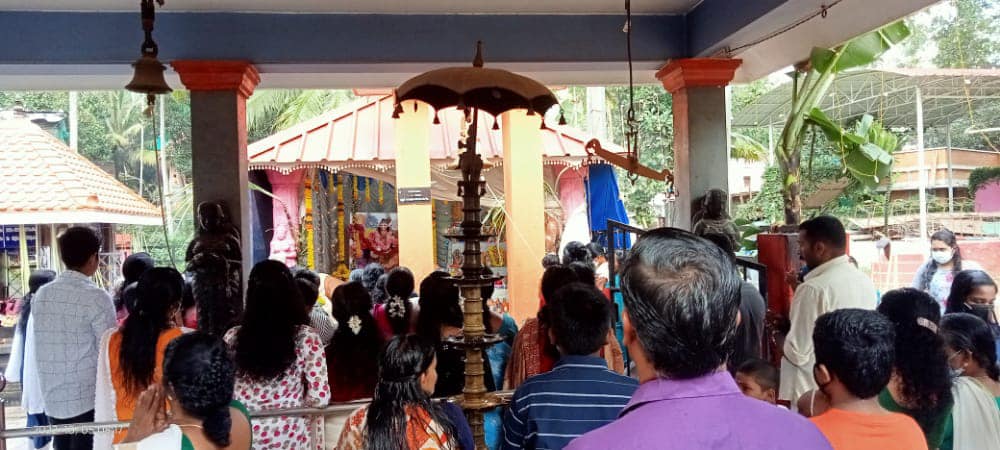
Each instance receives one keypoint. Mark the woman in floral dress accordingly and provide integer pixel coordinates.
(280, 362)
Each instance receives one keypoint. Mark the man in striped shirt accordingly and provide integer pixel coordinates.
(580, 393)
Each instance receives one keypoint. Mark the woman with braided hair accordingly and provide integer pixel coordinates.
(197, 385)
(350, 361)
(397, 314)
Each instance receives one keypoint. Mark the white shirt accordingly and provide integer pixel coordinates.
(69, 316)
(834, 285)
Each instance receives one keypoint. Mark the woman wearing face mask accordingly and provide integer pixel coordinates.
(974, 292)
(975, 418)
(936, 275)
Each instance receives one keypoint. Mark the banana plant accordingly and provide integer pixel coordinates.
(865, 151)
(808, 91)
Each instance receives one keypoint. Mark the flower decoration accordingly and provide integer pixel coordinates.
(354, 323)
(397, 308)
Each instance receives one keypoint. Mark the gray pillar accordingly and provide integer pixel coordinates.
(219, 158)
(701, 149)
(701, 128)
(219, 90)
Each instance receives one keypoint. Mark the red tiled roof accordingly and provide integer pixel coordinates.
(361, 135)
(46, 182)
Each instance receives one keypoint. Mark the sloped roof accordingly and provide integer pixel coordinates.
(46, 182)
(360, 135)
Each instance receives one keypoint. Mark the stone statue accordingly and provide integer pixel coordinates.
(715, 217)
(215, 261)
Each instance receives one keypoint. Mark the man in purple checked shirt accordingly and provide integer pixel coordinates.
(682, 299)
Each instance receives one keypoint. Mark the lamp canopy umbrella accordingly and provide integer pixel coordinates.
(490, 90)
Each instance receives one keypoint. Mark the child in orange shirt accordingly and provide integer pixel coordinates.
(854, 356)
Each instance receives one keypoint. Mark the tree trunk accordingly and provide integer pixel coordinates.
(791, 195)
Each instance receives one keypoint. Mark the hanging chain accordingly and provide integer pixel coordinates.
(632, 133)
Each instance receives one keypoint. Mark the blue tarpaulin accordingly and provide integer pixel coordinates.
(604, 202)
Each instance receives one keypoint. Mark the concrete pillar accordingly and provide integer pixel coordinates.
(219, 91)
(285, 213)
(413, 170)
(701, 128)
(524, 200)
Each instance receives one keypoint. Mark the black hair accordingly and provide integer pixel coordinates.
(580, 318)
(722, 241)
(549, 260)
(133, 267)
(379, 294)
(763, 372)
(930, 267)
(37, 279)
(401, 364)
(596, 249)
(130, 297)
(197, 369)
(858, 347)
(158, 294)
(187, 298)
(351, 353)
(77, 245)
(827, 229)
(307, 282)
(370, 275)
(439, 305)
(265, 344)
(399, 286)
(486, 292)
(682, 295)
(921, 361)
(962, 286)
(554, 278)
(576, 251)
(966, 332)
(584, 272)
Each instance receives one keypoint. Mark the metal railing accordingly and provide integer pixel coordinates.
(104, 427)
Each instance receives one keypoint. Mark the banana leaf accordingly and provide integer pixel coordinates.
(860, 51)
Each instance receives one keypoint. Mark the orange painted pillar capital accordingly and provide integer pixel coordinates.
(701, 127)
(680, 74)
(208, 75)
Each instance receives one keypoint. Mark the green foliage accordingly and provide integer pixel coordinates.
(982, 176)
(823, 68)
(970, 38)
(866, 151)
(747, 148)
(273, 110)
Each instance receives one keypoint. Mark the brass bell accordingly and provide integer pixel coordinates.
(148, 76)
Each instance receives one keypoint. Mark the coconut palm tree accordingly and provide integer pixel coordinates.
(273, 110)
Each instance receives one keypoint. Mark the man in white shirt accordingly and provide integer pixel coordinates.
(832, 283)
(69, 316)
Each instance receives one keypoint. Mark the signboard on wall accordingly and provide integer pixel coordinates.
(413, 196)
(10, 237)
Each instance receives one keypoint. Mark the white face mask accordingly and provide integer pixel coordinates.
(942, 256)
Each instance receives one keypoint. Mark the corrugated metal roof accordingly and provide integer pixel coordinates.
(889, 95)
(361, 135)
(46, 182)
